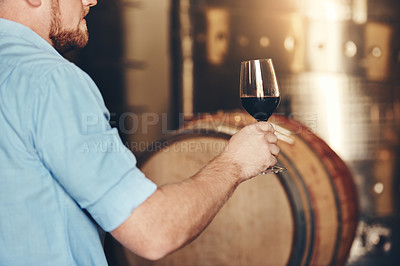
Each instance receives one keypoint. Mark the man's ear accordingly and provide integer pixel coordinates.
(34, 3)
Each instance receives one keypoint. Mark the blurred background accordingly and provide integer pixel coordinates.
(157, 62)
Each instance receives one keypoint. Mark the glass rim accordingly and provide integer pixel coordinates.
(268, 59)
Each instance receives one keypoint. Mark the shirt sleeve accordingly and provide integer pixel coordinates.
(83, 153)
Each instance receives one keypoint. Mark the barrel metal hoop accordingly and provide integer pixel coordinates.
(298, 211)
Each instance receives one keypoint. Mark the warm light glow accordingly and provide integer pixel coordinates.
(330, 89)
(378, 188)
(332, 10)
(376, 52)
(264, 41)
(243, 41)
(289, 44)
(360, 11)
(350, 49)
(238, 118)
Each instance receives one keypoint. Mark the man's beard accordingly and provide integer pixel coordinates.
(65, 40)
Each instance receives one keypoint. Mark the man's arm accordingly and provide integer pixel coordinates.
(177, 213)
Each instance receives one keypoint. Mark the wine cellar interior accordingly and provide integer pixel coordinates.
(158, 63)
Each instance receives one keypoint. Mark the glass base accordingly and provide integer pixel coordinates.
(273, 170)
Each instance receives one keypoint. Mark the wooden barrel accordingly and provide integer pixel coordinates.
(304, 216)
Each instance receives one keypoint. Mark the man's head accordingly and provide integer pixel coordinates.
(60, 22)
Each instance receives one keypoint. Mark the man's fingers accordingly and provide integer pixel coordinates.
(265, 126)
(274, 149)
(274, 160)
(271, 138)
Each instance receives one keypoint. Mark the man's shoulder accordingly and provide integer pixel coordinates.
(26, 50)
(28, 57)
(40, 68)
(29, 69)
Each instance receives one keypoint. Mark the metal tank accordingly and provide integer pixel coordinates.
(338, 65)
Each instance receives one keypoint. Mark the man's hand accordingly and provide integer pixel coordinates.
(252, 150)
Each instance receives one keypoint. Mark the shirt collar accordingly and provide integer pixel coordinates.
(18, 30)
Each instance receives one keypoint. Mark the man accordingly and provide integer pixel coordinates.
(56, 188)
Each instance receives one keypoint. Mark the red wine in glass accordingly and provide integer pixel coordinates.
(261, 108)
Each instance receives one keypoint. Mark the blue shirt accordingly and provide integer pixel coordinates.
(58, 157)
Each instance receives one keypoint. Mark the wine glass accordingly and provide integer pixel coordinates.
(259, 93)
